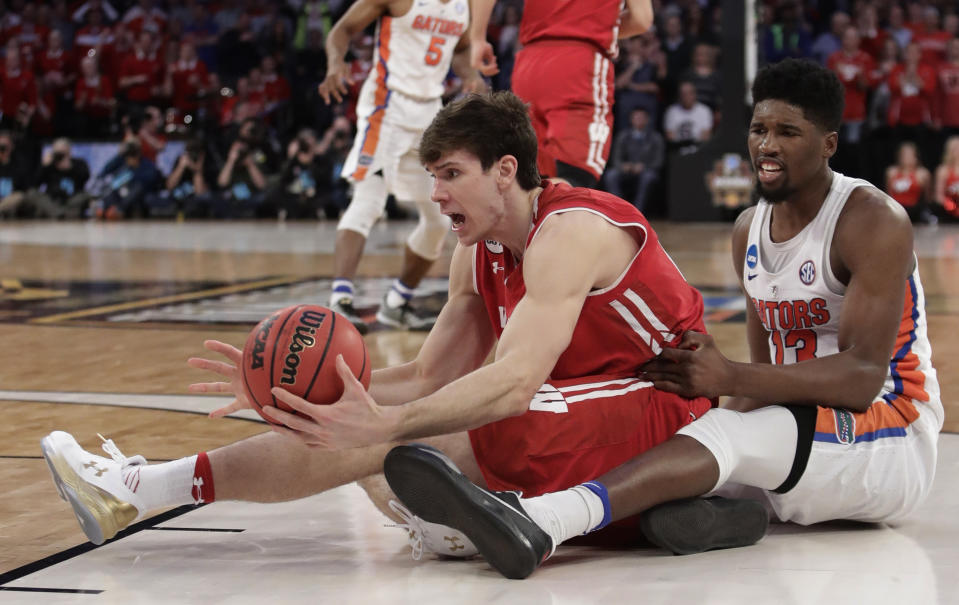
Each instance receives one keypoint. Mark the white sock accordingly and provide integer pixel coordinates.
(571, 512)
(342, 288)
(398, 295)
(166, 484)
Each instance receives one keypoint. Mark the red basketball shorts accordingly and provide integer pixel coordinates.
(569, 86)
(576, 430)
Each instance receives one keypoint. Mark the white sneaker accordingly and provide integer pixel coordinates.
(432, 537)
(100, 490)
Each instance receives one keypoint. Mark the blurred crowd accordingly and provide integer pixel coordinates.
(233, 83)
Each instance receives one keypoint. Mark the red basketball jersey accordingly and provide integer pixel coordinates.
(620, 327)
(596, 22)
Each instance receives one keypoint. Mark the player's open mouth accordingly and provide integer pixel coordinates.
(458, 220)
(767, 171)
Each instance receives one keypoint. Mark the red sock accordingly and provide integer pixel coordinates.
(202, 490)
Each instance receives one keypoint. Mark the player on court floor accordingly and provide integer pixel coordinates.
(836, 416)
(416, 44)
(570, 285)
(565, 72)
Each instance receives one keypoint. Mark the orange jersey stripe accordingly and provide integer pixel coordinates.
(375, 123)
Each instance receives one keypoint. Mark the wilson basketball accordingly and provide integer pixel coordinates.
(296, 348)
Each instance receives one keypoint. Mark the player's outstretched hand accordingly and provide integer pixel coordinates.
(227, 370)
(336, 83)
(483, 59)
(694, 368)
(354, 421)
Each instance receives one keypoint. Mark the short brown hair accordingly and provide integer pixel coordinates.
(489, 126)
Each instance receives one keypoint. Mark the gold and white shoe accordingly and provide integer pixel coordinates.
(102, 491)
(432, 537)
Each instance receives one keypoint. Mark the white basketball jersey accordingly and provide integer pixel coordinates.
(414, 52)
(792, 287)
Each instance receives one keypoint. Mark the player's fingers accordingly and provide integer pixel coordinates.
(227, 409)
(692, 340)
(297, 403)
(210, 387)
(346, 374)
(227, 350)
(219, 367)
(669, 386)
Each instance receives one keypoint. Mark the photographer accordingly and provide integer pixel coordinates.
(13, 183)
(297, 194)
(241, 179)
(189, 187)
(60, 185)
(125, 182)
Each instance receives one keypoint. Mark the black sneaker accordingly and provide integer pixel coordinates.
(431, 486)
(344, 307)
(694, 525)
(405, 317)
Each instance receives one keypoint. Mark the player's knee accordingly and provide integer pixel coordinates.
(366, 207)
(430, 233)
(712, 430)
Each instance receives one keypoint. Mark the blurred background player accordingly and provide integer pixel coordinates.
(565, 72)
(416, 43)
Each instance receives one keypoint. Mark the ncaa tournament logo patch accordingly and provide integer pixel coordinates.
(494, 247)
(752, 256)
(845, 426)
(807, 272)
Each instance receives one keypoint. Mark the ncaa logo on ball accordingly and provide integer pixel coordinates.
(494, 247)
(752, 256)
(845, 427)
(807, 273)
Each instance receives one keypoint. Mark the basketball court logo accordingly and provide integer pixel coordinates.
(845, 426)
(807, 272)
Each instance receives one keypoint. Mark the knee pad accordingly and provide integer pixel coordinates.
(366, 207)
(430, 233)
(755, 448)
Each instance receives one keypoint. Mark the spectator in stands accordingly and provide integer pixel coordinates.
(854, 68)
(276, 40)
(946, 191)
(915, 20)
(18, 91)
(139, 76)
(638, 75)
(14, 181)
(912, 87)
(189, 188)
(932, 40)
(947, 113)
(830, 41)
(146, 127)
(298, 193)
(788, 36)
(125, 182)
(679, 51)
(187, 79)
(242, 179)
(59, 75)
(276, 88)
(108, 13)
(202, 29)
(94, 101)
(636, 161)
(96, 36)
(908, 181)
(705, 76)
(29, 34)
(698, 27)
(59, 191)
(871, 36)
(237, 53)
(145, 15)
(688, 123)
(896, 27)
(60, 20)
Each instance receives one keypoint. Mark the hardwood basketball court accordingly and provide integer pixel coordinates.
(98, 320)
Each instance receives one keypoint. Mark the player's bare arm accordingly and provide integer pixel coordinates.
(568, 258)
(472, 80)
(872, 254)
(636, 19)
(482, 56)
(459, 343)
(360, 15)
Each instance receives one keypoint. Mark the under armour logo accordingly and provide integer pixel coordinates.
(454, 543)
(197, 491)
(93, 465)
(496, 267)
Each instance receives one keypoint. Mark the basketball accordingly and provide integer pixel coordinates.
(296, 348)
